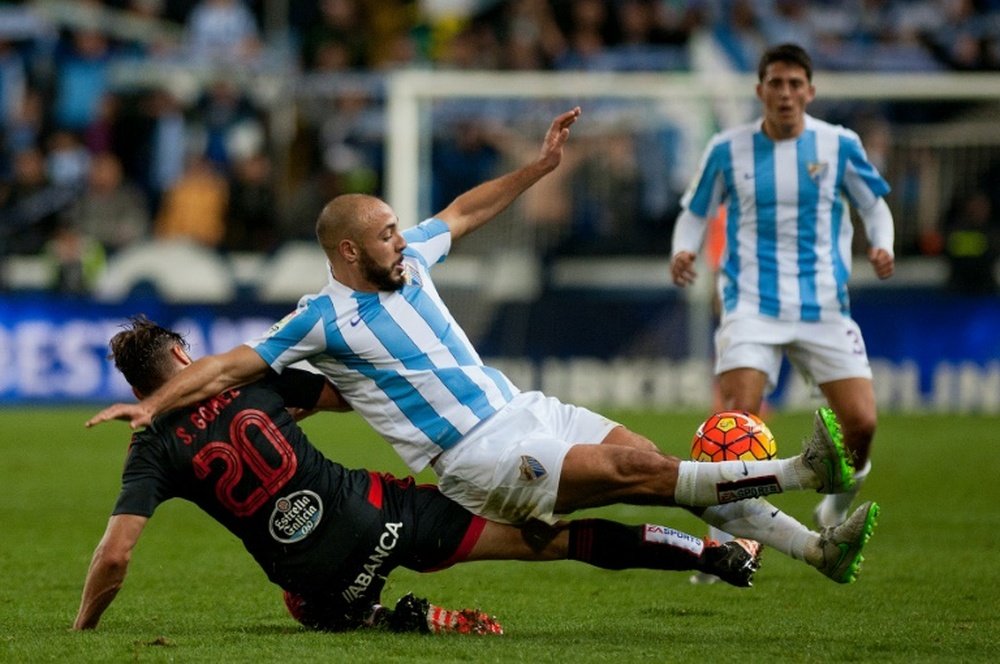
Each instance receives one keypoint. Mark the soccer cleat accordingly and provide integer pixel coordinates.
(415, 614)
(410, 615)
(841, 545)
(825, 455)
(734, 562)
(462, 621)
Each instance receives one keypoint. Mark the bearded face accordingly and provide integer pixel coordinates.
(387, 277)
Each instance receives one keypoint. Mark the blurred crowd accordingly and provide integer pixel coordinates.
(98, 153)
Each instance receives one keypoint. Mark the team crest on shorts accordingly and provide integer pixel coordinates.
(295, 516)
(531, 468)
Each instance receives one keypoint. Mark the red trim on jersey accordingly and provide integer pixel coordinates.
(375, 489)
(465, 546)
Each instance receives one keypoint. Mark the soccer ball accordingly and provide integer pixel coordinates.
(733, 435)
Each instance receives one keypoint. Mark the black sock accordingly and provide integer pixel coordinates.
(612, 545)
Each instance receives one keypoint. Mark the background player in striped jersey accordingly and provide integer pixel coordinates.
(381, 333)
(786, 180)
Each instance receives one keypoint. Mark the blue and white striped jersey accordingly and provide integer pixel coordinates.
(788, 229)
(399, 358)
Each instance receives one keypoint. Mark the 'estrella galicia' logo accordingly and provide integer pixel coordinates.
(295, 516)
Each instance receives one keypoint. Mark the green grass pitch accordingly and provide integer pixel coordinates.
(929, 590)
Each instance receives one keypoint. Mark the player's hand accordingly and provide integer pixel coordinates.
(882, 262)
(556, 137)
(682, 268)
(134, 413)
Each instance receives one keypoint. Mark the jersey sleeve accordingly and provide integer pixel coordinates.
(707, 189)
(145, 483)
(862, 183)
(702, 198)
(298, 388)
(689, 233)
(429, 242)
(878, 225)
(295, 337)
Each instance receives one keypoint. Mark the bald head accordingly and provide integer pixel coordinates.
(361, 239)
(345, 218)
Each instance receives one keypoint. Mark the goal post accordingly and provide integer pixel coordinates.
(628, 162)
(408, 92)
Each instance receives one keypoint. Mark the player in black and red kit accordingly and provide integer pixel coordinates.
(325, 534)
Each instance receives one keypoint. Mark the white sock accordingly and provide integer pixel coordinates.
(760, 520)
(700, 483)
(834, 507)
(717, 534)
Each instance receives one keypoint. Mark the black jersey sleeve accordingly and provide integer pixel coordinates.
(145, 479)
(298, 388)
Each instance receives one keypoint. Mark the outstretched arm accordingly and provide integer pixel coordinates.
(484, 202)
(108, 568)
(202, 379)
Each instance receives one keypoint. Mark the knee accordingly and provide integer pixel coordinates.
(639, 466)
(859, 428)
(540, 537)
(627, 438)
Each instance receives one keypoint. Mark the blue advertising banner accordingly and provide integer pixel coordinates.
(55, 350)
(929, 350)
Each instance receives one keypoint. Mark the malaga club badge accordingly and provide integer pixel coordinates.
(410, 276)
(817, 170)
(531, 468)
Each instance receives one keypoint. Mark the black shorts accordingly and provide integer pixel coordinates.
(398, 523)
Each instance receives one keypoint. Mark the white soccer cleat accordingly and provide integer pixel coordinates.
(842, 545)
(825, 455)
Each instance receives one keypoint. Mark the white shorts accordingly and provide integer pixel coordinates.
(507, 469)
(822, 351)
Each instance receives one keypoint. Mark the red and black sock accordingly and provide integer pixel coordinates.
(612, 545)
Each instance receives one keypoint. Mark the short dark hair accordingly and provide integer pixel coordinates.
(141, 351)
(790, 53)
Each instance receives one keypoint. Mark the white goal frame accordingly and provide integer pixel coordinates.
(727, 99)
(407, 90)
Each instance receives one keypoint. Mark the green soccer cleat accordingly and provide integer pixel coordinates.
(824, 453)
(842, 545)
